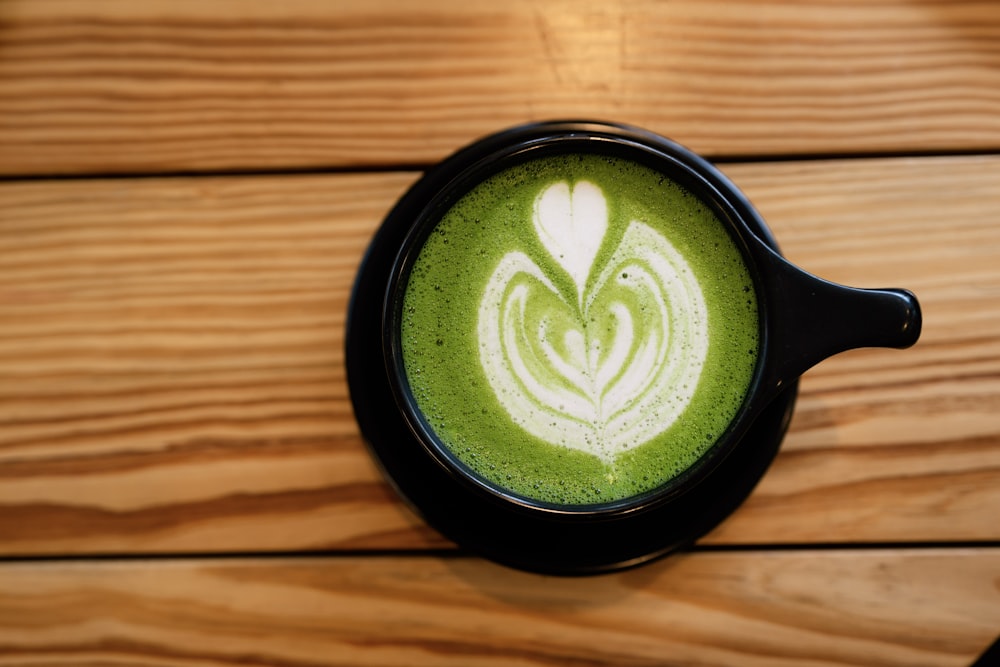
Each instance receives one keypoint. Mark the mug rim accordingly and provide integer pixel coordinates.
(679, 164)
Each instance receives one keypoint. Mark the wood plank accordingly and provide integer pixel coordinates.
(885, 444)
(755, 609)
(173, 368)
(180, 85)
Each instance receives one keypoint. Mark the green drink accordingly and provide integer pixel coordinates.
(579, 329)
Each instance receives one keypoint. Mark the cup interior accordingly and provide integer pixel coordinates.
(676, 164)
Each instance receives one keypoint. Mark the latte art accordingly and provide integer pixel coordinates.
(617, 366)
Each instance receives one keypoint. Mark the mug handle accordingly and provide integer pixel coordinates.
(810, 319)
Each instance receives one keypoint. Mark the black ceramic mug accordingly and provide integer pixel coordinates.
(574, 346)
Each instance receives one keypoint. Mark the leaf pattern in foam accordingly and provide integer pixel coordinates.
(610, 372)
(571, 223)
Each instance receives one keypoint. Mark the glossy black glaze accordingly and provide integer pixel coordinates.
(803, 320)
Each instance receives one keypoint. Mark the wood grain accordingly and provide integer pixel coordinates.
(173, 368)
(182, 85)
(173, 373)
(760, 609)
(930, 414)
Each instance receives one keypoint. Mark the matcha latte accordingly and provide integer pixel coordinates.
(579, 329)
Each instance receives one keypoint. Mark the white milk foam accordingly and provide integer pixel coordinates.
(548, 368)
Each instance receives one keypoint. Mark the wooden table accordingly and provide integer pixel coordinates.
(188, 187)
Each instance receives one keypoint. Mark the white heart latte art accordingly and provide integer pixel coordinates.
(617, 367)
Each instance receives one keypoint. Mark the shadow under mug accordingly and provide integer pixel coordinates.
(802, 320)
